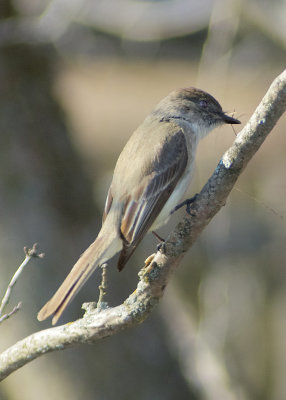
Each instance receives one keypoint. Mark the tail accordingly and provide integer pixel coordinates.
(102, 249)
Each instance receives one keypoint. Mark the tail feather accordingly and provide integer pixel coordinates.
(98, 252)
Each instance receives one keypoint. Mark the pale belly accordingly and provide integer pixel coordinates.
(174, 199)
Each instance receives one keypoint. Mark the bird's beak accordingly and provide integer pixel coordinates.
(229, 120)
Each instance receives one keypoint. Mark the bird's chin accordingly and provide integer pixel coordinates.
(203, 129)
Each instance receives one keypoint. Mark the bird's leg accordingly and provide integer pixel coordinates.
(186, 203)
(161, 245)
(158, 236)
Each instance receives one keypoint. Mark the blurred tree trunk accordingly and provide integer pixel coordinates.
(43, 189)
(45, 196)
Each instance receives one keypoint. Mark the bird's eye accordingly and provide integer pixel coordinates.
(203, 103)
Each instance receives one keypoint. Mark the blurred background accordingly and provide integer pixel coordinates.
(76, 78)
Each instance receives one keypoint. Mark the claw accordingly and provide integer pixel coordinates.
(148, 264)
(149, 260)
(186, 203)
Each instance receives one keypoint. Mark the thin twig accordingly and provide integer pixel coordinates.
(101, 304)
(30, 253)
(9, 314)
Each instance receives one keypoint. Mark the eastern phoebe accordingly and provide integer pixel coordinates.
(151, 176)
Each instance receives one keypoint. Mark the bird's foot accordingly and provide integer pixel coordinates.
(186, 203)
(148, 267)
(149, 260)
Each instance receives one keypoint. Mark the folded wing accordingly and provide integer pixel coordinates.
(146, 201)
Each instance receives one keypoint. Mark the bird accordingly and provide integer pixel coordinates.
(150, 178)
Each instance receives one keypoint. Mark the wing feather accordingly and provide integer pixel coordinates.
(147, 200)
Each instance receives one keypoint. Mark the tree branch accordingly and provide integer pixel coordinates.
(99, 323)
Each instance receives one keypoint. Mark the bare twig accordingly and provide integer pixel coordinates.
(29, 254)
(9, 314)
(101, 304)
(97, 324)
